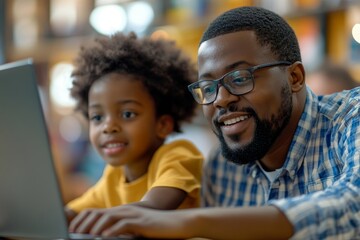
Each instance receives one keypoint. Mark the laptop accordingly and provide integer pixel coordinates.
(31, 205)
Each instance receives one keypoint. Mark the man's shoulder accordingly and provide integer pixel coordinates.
(340, 103)
(342, 97)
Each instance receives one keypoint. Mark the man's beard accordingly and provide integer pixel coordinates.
(266, 132)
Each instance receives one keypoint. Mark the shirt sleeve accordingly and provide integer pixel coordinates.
(179, 165)
(334, 211)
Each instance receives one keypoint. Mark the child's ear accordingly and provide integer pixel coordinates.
(165, 126)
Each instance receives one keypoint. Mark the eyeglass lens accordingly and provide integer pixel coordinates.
(237, 82)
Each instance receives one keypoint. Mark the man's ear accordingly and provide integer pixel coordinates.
(297, 74)
(165, 126)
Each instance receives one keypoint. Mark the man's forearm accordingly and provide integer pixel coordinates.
(240, 223)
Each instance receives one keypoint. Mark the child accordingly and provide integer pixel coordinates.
(133, 91)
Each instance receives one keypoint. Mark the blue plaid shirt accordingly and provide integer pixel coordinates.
(318, 188)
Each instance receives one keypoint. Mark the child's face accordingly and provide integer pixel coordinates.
(124, 128)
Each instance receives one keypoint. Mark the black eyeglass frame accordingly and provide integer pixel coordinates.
(216, 82)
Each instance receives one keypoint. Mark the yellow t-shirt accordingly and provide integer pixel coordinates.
(177, 164)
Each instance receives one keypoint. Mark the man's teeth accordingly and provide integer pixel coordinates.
(235, 120)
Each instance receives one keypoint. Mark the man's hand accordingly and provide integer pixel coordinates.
(129, 219)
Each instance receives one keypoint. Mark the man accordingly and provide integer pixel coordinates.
(289, 162)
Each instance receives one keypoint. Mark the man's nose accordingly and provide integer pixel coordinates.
(224, 97)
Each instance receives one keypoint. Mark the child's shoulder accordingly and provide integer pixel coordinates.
(179, 145)
(177, 149)
(177, 153)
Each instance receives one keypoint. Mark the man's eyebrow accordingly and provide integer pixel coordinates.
(227, 69)
(237, 64)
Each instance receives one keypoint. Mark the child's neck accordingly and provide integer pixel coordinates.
(139, 167)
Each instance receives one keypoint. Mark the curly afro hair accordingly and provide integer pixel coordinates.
(163, 69)
(270, 29)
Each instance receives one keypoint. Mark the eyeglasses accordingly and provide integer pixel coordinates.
(237, 82)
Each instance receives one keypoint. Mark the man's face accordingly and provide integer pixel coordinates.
(246, 125)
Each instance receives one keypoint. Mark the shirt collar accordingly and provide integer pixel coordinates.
(297, 150)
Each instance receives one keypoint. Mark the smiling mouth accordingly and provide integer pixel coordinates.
(235, 120)
(114, 145)
(113, 148)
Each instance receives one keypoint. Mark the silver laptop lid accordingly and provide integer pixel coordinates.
(30, 203)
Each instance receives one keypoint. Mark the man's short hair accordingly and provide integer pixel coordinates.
(271, 30)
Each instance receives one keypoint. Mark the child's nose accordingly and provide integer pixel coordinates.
(111, 126)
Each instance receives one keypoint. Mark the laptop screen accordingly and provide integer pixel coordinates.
(30, 204)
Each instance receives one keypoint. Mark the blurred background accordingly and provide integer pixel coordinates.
(52, 31)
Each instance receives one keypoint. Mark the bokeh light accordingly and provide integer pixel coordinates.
(108, 19)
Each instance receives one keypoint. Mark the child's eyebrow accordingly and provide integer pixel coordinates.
(130, 101)
(94, 105)
(121, 102)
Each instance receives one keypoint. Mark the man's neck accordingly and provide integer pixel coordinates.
(277, 154)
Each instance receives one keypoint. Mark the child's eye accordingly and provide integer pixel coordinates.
(128, 115)
(95, 118)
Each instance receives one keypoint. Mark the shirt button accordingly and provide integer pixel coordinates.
(253, 174)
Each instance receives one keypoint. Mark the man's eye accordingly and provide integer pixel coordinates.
(128, 115)
(209, 89)
(240, 81)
